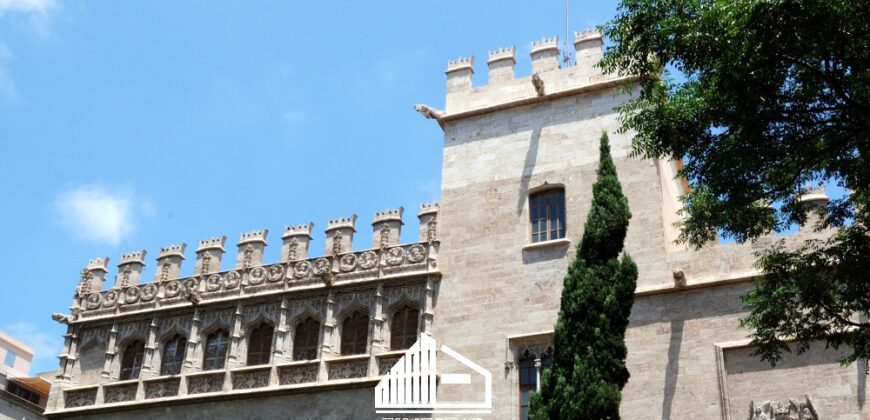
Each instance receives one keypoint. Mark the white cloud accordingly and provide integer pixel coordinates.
(45, 346)
(98, 214)
(39, 7)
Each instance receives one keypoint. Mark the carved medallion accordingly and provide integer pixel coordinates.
(232, 280)
(347, 263)
(275, 273)
(149, 291)
(110, 298)
(368, 260)
(301, 269)
(213, 283)
(321, 266)
(131, 295)
(94, 300)
(395, 256)
(173, 288)
(416, 253)
(257, 276)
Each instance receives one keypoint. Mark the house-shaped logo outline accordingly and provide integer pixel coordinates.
(410, 385)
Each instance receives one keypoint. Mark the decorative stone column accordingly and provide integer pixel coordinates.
(428, 217)
(339, 235)
(94, 275)
(387, 228)
(459, 72)
(169, 263)
(130, 269)
(296, 240)
(208, 256)
(587, 47)
(251, 246)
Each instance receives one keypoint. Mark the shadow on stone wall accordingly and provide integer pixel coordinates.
(673, 368)
(526, 175)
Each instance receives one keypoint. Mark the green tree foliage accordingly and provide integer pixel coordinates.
(775, 97)
(588, 370)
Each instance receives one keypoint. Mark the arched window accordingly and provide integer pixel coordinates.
(547, 214)
(216, 345)
(305, 339)
(403, 328)
(173, 355)
(355, 333)
(531, 368)
(260, 344)
(131, 360)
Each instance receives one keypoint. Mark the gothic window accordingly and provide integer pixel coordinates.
(131, 360)
(531, 369)
(173, 355)
(547, 214)
(403, 328)
(305, 339)
(260, 344)
(354, 333)
(216, 345)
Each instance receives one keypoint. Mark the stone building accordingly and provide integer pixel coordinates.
(310, 336)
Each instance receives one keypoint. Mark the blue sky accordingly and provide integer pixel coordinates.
(131, 125)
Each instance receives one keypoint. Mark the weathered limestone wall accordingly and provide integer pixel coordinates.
(348, 404)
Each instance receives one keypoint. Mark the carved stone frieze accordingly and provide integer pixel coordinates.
(173, 288)
(148, 292)
(80, 398)
(132, 329)
(386, 363)
(253, 313)
(321, 266)
(202, 384)
(293, 375)
(368, 260)
(232, 280)
(778, 410)
(251, 379)
(177, 323)
(210, 319)
(160, 389)
(120, 393)
(349, 370)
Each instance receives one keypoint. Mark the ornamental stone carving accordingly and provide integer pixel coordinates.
(293, 375)
(110, 299)
(257, 276)
(162, 389)
(131, 295)
(368, 260)
(205, 383)
(395, 256)
(347, 263)
(301, 269)
(120, 393)
(232, 280)
(173, 288)
(349, 370)
(251, 379)
(94, 300)
(148, 292)
(777, 410)
(213, 282)
(80, 398)
(275, 273)
(321, 266)
(416, 253)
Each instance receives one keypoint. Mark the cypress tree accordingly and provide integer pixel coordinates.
(588, 370)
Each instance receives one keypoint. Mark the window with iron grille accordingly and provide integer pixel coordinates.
(355, 334)
(305, 339)
(547, 214)
(216, 345)
(260, 345)
(403, 328)
(131, 360)
(173, 355)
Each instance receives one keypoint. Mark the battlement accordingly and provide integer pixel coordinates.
(172, 251)
(549, 77)
(386, 257)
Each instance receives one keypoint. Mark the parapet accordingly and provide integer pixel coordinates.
(553, 75)
(386, 257)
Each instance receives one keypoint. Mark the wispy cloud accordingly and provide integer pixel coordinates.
(39, 7)
(98, 214)
(45, 346)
